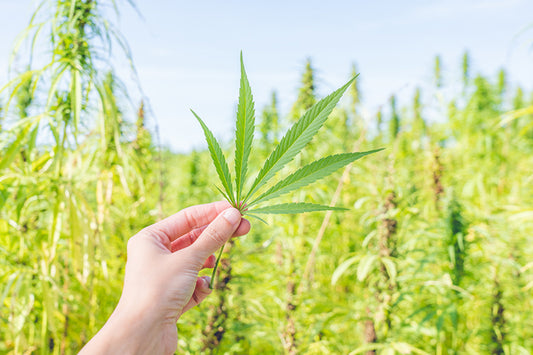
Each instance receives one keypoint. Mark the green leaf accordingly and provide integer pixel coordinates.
(13, 148)
(391, 268)
(57, 76)
(367, 347)
(310, 173)
(365, 266)
(76, 99)
(298, 136)
(368, 238)
(256, 217)
(218, 159)
(244, 132)
(292, 208)
(341, 269)
(223, 193)
(405, 348)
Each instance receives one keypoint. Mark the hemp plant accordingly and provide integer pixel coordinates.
(296, 138)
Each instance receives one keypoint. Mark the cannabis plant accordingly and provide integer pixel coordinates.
(296, 138)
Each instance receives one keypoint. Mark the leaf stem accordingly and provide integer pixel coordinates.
(213, 275)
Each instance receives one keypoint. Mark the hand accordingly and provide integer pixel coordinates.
(161, 280)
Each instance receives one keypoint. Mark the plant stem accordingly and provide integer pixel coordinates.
(212, 283)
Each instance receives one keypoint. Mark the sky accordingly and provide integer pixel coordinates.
(187, 52)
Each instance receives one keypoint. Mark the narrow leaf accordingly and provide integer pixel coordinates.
(311, 173)
(365, 266)
(256, 217)
(391, 268)
(222, 193)
(13, 148)
(244, 132)
(298, 136)
(292, 208)
(76, 99)
(341, 269)
(218, 159)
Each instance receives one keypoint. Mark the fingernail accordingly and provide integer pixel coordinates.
(232, 215)
(206, 280)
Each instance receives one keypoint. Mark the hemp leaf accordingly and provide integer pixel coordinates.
(296, 138)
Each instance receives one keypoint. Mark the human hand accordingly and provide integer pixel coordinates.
(161, 280)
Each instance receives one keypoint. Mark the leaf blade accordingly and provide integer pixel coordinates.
(218, 158)
(256, 217)
(311, 173)
(244, 131)
(293, 208)
(365, 266)
(341, 269)
(297, 137)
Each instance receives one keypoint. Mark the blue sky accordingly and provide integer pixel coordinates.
(187, 52)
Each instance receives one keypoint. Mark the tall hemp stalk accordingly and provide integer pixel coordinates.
(47, 166)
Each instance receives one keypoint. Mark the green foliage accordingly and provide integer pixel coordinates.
(306, 95)
(297, 137)
(75, 195)
(502, 82)
(1, 116)
(457, 244)
(219, 161)
(355, 91)
(379, 120)
(419, 125)
(270, 122)
(308, 174)
(244, 133)
(142, 144)
(394, 122)
(432, 256)
(437, 71)
(292, 208)
(24, 97)
(518, 100)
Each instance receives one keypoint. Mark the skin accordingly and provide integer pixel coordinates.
(161, 280)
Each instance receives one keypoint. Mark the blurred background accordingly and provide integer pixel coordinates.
(97, 141)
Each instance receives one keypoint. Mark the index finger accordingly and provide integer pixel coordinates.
(188, 219)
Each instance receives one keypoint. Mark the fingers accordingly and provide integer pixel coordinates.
(189, 238)
(210, 262)
(201, 291)
(185, 240)
(188, 219)
(217, 233)
(243, 228)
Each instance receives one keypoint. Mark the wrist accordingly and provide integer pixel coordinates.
(121, 334)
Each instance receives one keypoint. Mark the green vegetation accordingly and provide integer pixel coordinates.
(296, 138)
(432, 255)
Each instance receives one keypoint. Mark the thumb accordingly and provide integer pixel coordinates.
(217, 233)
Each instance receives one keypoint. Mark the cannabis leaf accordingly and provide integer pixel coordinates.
(244, 132)
(292, 208)
(310, 173)
(218, 159)
(296, 138)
